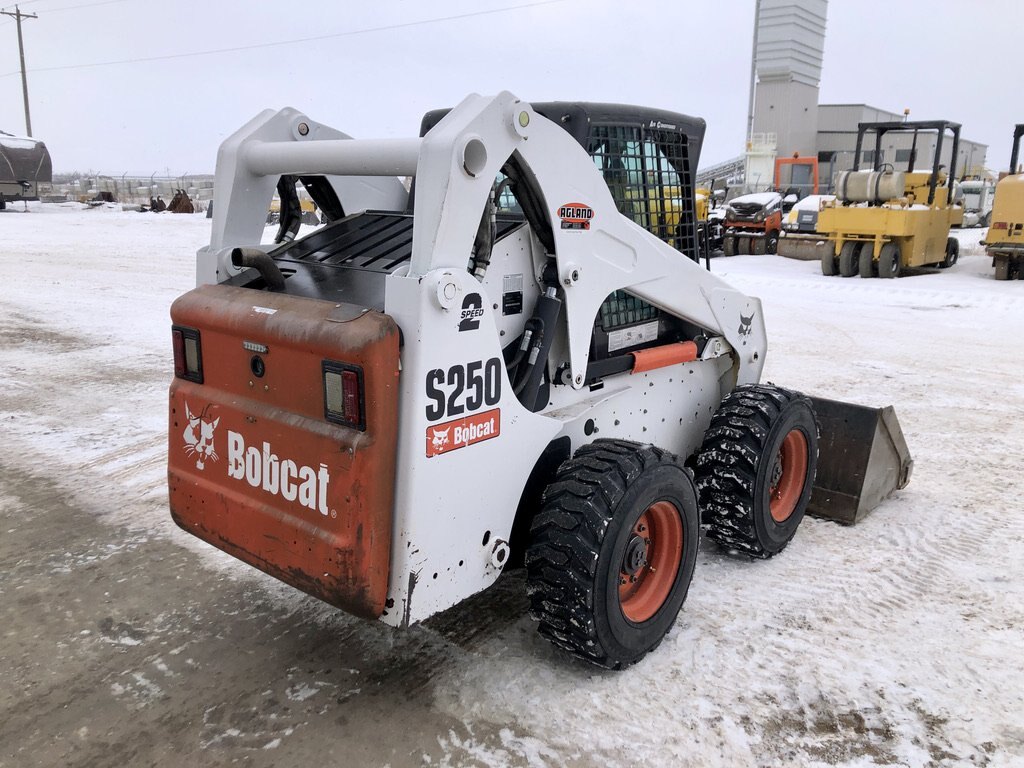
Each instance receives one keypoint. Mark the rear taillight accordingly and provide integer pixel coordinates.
(188, 354)
(999, 225)
(343, 395)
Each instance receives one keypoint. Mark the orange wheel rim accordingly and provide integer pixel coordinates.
(788, 475)
(651, 561)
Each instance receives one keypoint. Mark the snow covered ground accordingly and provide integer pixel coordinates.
(895, 642)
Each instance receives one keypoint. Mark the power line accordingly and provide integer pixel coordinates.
(27, 2)
(256, 46)
(84, 5)
(64, 8)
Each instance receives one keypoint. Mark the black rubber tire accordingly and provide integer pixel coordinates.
(952, 253)
(759, 246)
(736, 463)
(866, 260)
(848, 258)
(744, 245)
(890, 262)
(578, 541)
(729, 245)
(828, 260)
(772, 243)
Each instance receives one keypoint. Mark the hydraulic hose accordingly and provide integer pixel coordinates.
(546, 312)
(483, 244)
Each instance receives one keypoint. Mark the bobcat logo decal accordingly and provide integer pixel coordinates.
(440, 438)
(745, 322)
(199, 436)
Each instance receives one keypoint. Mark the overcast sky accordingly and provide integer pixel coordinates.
(380, 68)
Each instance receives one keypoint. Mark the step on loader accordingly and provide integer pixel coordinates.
(497, 367)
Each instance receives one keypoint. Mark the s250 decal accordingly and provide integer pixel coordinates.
(463, 388)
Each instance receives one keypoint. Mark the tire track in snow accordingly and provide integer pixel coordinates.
(869, 289)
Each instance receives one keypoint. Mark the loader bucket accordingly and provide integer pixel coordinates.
(862, 459)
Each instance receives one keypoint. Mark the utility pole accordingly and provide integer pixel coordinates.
(18, 16)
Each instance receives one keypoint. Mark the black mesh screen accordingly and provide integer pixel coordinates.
(648, 174)
(622, 308)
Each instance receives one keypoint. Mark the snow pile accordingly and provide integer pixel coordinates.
(897, 641)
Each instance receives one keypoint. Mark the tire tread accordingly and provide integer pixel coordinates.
(566, 537)
(727, 464)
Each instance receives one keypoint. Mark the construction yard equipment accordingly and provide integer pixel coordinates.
(800, 238)
(498, 367)
(752, 224)
(710, 231)
(885, 221)
(1004, 241)
(978, 196)
(796, 176)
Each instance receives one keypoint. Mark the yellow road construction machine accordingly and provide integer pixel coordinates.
(885, 221)
(1005, 239)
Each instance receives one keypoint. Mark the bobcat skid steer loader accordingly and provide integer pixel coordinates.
(388, 412)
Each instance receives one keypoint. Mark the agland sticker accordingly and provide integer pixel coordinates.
(459, 433)
(575, 216)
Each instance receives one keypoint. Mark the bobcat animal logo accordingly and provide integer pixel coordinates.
(440, 439)
(199, 436)
(745, 323)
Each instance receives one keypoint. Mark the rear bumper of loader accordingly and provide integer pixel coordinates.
(257, 469)
(862, 459)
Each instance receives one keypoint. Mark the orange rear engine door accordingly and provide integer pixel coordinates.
(282, 438)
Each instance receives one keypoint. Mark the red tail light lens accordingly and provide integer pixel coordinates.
(343, 395)
(999, 225)
(188, 354)
(179, 353)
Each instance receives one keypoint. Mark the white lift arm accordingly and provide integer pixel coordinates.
(455, 165)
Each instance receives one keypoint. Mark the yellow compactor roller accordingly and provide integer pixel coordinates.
(883, 220)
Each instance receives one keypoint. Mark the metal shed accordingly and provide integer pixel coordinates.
(24, 164)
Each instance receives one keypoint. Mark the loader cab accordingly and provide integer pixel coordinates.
(647, 157)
